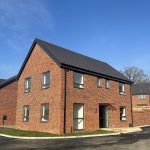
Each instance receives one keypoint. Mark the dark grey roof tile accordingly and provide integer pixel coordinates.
(141, 88)
(67, 57)
(8, 81)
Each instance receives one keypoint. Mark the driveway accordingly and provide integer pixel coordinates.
(132, 141)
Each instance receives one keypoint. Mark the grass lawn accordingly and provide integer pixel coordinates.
(24, 133)
(89, 133)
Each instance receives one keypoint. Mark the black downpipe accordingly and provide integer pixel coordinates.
(131, 105)
(65, 97)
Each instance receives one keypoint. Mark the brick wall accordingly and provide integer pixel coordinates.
(91, 96)
(141, 117)
(38, 63)
(8, 98)
(140, 114)
(136, 101)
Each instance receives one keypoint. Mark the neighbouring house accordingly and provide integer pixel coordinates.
(141, 104)
(8, 100)
(61, 91)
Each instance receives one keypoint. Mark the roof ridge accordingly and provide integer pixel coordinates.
(76, 61)
(67, 49)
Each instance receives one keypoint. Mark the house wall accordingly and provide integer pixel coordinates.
(38, 63)
(136, 101)
(91, 96)
(141, 117)
(140, 114)
(8, 99)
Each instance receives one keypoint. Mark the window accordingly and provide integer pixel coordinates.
(44, 112)
(78, 117)
(121, 88)
(46, 80)
(26, 113)
(78, 80)
(27, 84)
(142, 96)
(98, 82)
(122, 113)
(107, 84)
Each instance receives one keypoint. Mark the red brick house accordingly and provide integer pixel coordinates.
(8, 100)
(141, 104)
(60, 91)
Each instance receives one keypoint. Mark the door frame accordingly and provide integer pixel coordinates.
(105, 117)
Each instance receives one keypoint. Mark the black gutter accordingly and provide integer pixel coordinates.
(65, 99)
(8, 81)
(95, 74)
(131, 105)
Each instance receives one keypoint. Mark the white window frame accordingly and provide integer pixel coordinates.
(46, 79)
(107, 84)
(27, 85)
(142, 96)
(121, 88)
(26, 112)
(123, 115)
(77, 84)
(99, 82)
(44, 117)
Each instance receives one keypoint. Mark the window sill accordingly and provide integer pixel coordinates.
(99, 87)
(45, 88)
(79, 88)
(123, 120)
(123, 94)
(78, 130)
(44, 121)
(26, 91)
(82, 87)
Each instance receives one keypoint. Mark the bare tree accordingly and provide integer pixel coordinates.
(136, 74)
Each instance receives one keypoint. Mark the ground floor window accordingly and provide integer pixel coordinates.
(26, 113)
(44, 112)
(78, 116)
(122, 113)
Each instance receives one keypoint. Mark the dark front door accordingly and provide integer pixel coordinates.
(103, 116)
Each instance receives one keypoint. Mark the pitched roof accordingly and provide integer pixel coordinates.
(8, 81)
(66, 58)
(1, 81)
(141, 88)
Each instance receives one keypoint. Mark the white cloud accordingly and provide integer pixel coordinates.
(21, 14)
(23, 19)
(20, 22)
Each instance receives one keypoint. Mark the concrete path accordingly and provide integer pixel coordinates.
(131, 141)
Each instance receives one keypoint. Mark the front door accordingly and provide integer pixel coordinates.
(103, 116)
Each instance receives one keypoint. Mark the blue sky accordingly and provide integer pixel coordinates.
(114, 31)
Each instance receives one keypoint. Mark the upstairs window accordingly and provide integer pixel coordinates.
(98, 82)
(27, 85)
(142, 96)
(44, 112)
(46, 80)
(107, 84)
(121, 88)
(26, 113)
(78, 80)
(122, 113)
